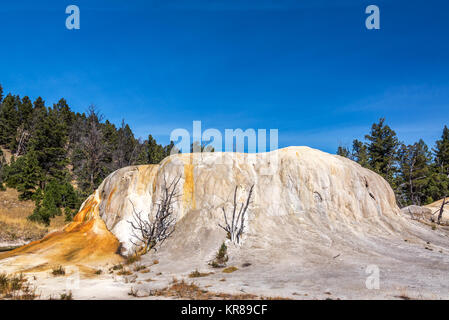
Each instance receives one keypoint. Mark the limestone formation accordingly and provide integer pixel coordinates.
(313, 217)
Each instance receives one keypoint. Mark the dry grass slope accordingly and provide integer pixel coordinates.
(14, 225)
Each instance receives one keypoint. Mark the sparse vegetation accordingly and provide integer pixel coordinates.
(197, 274)
(132, 259)
(221, 257)
(117, 267)
(139, 267)
(16, 287)
(98, 272)
(58, 271)
(124, 272)
(66, 296)
(230, 269)
(133, 292)
(183, 290)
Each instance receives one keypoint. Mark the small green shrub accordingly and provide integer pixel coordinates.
(139, 267)
(230, 269)
(197, 274)
(66, 296)
(132, 258)
(124, 272)
(117, 267)
(58, 271)
(221, 257)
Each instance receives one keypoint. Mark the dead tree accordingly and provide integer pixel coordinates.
(440, 214)
(155, 229)
(22, 141)
(236, 225)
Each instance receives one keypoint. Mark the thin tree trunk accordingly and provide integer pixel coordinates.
(440, 215)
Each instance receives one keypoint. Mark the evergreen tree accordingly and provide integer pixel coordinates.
(2, 170)
(48, 142)
(343, 151)
(439, 184)
(24, 174)
(171, 149)
(382, 150)
(9, 120)
(360, 153)
(442, 152)
(127, 147)
(156, 152)
(109, 136)
(1, 94)
(415, 173)
(50, 201)
(26, 113)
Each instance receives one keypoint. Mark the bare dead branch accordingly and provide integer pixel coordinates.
(235, 228)
(147, 233)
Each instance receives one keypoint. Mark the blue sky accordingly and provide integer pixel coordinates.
(308, 68)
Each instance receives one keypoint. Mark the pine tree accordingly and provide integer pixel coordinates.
(24, 174)
(48, 142)
(382, 149)
(439, 184)
(360, 153)
(2, 170)
(9, 120)
(414, 173)
(110, 142)
(343, 152)
(171, 149)
(26, 112)
(49, 202)
(155, 151)
(442, 152)
(126, 151)
(1, 94)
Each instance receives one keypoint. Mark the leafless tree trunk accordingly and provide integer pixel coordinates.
(440, 215)
(147, 233)
(236, 226)
(92, 147)
(22, 142)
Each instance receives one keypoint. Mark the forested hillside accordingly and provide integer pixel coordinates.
(418, 174)
(59, 157)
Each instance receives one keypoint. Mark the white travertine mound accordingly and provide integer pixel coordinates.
(314, 191)
(317, 226)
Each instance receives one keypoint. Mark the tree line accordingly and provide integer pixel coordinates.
(60, 157)
(419, 175)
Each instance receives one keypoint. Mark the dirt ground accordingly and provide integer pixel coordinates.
(408, 269)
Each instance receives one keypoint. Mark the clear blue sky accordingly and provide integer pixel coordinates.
(308, 67)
